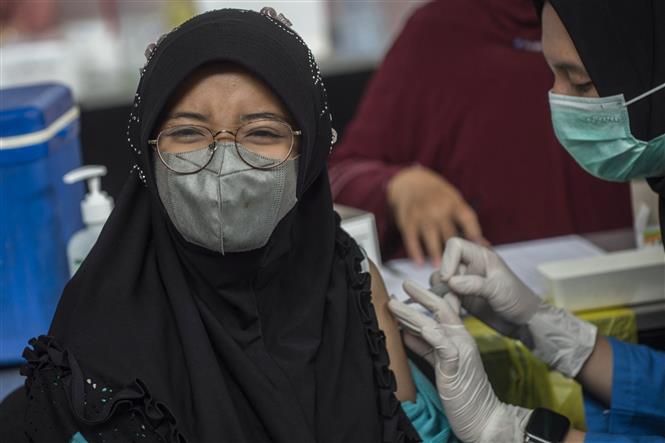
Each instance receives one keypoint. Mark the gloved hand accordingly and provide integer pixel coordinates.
(490, 291)
(473, 410)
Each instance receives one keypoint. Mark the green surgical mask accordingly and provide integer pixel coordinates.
(596, 132)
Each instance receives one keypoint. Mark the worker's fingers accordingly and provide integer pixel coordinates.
(448, 231)
(468, 222)
(447, 352)
(412, 242)
(409, 318)
(421, 295)
(433, 243)
(418, 346)
(468, 284)
(409, 230)
(447, 228)
(459, 251)
(441, 309)
(454, 302)
(452, 257)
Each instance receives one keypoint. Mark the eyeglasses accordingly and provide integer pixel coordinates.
(261, 144)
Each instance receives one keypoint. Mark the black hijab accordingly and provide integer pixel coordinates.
(622, 46)
(157, 339)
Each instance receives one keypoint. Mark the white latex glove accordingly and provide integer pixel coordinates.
(490, 291)
(473, 410)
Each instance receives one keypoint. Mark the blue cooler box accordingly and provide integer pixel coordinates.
(39, 128)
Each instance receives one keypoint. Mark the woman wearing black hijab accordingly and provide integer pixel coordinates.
(608, 111)
(222, 301)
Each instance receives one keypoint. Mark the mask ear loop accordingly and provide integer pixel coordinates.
(646, 94)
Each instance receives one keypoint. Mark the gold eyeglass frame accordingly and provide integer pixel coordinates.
(213, 146)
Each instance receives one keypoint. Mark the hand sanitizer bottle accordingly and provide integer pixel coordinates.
(95, 208)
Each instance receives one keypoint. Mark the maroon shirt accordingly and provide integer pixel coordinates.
(463, 91)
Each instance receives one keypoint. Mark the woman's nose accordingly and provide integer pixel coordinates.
(225, 135)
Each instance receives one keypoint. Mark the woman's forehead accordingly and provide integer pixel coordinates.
(225, 81)
(225, 88)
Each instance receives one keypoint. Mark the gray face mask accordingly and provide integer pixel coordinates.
(228, 206)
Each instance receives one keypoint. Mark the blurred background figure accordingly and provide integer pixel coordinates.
(453, 137)
(27, 17)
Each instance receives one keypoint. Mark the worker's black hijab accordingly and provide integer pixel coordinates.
(622, 46)
(158, 339)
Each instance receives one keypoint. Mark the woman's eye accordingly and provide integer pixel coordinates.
(583, 88)
(186, 134)
(263, 133)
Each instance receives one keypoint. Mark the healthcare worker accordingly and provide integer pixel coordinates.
(608, 111)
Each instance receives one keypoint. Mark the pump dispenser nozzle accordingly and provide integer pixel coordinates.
(97, 205)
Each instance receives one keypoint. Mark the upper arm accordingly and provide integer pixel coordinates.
(398, 362)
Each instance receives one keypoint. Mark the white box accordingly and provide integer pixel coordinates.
(362, 227)
(622, 278)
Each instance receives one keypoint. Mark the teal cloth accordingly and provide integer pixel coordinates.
(426, 413)
(78, 438)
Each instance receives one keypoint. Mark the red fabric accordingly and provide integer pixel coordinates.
(459, 94)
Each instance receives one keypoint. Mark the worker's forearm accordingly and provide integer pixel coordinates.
(574, 436)
(596, 374)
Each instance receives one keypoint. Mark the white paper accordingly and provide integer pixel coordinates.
(523, 258)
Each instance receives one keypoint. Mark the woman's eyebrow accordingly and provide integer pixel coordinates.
(261, 115)
(189, 115)
(572, 68)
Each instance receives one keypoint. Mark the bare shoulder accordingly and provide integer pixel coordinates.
(398, 362)
(379, 293)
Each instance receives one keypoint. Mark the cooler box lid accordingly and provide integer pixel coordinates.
(31, 115)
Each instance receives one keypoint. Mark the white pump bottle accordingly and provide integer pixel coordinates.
(95, 209)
